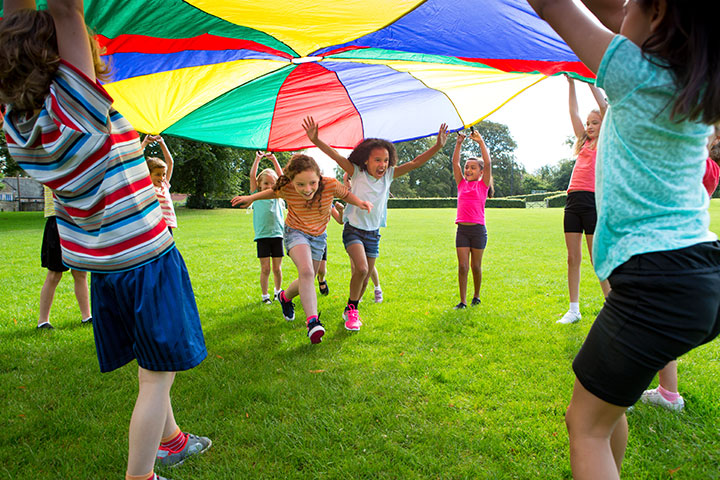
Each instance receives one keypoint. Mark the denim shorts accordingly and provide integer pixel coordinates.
(295, 237)
(369, 238)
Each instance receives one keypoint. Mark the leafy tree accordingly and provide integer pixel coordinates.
(8, 166)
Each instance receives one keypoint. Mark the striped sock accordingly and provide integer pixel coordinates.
(174, 442)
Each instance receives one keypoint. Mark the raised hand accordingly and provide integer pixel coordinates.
(311, 129)
(240, 200)
(442, 135)
(460, 136)
(475, 135)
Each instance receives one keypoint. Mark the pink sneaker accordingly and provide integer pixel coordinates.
(352, 318)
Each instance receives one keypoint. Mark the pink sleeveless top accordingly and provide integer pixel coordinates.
(583, 174)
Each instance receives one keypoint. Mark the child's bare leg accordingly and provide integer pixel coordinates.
(47, 293)
(264, 274)
(604, 284)
(304, 285)
(667, 377)
(476, 255)
(277, 272)
(149, 419)
(374, 276)
(573, 241)
(371, 268)
(463, 256)
(598, 435)
(356, 252)
(322, 270)
(81, 292)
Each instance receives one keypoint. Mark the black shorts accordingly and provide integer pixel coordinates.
(324, 258)
(580, 213)
(270, 247)
(471, 236)
(50, 252)
(662, 305)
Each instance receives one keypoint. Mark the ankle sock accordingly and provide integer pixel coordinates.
(174, 442)
(283, 297)
(667, 394)
(266, 296)
(147, 476)
(575, 307)
(377, 288)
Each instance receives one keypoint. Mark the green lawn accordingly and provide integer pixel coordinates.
(421, 391)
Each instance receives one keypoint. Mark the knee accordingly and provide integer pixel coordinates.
(265, 269)
(574, 259)
(361, 271)
(306, 274)
(463, 268)
(79, 276)
(277, 270)
(54, 277)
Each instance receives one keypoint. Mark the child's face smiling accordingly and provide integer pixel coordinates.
(378, 162)
(472, 170)
(306, 183)
(267, 182)
(592, 125)
(158, 176)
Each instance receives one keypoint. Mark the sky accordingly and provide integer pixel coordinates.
(538, 120)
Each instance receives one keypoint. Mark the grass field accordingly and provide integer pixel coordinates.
(422, 391)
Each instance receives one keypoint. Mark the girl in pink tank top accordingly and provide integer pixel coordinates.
(580, 213)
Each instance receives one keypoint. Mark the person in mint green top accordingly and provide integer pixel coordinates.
(372, 166)
(268, 223)
(662, 79)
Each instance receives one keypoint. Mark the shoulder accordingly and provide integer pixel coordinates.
(623, 67)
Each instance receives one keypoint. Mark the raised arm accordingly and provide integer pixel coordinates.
(421, 159)
(72, 35)
(457, 171)
(487, 162)
(609, 12)
(247, 200)
(577, 123)
(599, 98)
(168, 157)
(311, 129)
(253, 170)
(12, 6)
(276, 164)
(586, 38)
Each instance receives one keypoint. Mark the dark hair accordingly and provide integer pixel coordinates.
(685, 42)
(300, 163)
(29, 59)
(360, 155)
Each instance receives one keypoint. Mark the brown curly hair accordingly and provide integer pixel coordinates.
(300, 163)
(29, 59)
(360, 155)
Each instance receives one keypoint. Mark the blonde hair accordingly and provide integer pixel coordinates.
(268, 172)
(584, 137)
(29, 59)
(154, 163)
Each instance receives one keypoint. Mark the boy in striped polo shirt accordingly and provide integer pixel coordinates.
(62, 130)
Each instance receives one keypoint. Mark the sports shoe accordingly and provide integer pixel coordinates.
(654, 396)
(85, 321)
(194, 446)
(46, 326)
(288, 308)
(267, 300)
(315, 330)
(475, 301)
(323, 287)
(570, 317)
(378, 295)
(459, 306)
(352, 318)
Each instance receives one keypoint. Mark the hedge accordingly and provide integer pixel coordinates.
(450, 202)
(536, 197)
(556, 201)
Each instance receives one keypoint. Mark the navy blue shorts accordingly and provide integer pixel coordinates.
(370, 239)
(471, 236)
(270, 247)
(662, 305)
(580, 213)
(149, 314)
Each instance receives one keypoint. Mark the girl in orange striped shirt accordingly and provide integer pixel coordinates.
(309, 197)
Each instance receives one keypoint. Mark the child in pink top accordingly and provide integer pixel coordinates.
(473, 185)
(160, 174)
(580, 213)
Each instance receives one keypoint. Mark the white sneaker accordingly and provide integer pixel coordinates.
(570, 317)
(654, 396)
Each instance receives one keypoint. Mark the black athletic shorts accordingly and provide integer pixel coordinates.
(580, 213)
(270, 247)
(471, 236)
(50, 252)
(662, 305)
(324, 254)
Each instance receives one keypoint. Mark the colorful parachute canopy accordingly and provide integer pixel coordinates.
(245, 73)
